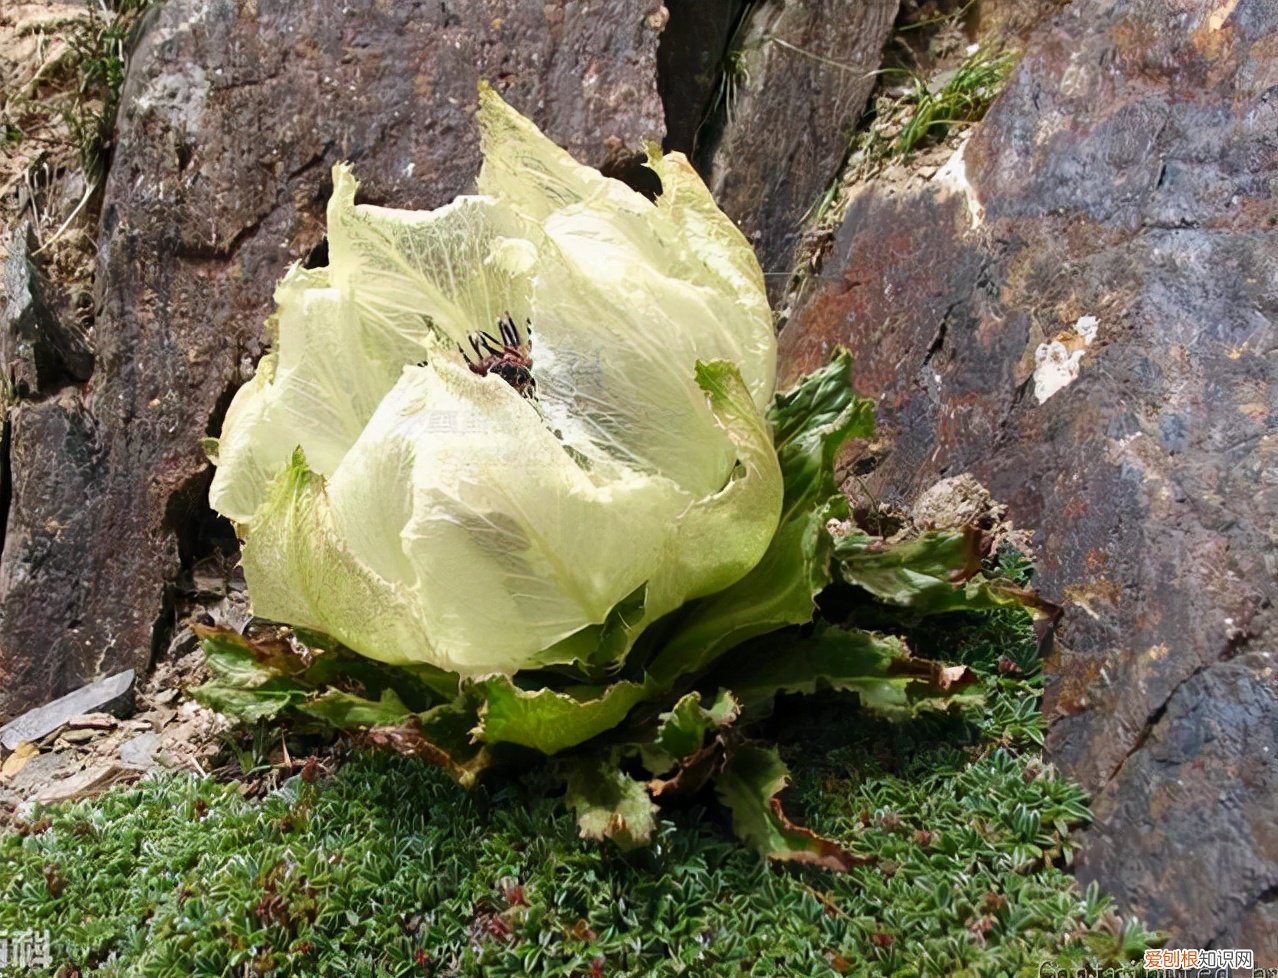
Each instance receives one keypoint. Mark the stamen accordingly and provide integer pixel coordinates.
(510, 359)
(509, 334)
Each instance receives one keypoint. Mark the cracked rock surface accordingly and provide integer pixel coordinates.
(1117, 209)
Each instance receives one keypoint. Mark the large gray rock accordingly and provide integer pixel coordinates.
(50, 644)
(232, 117)
(1083, 311)
(1213, 745)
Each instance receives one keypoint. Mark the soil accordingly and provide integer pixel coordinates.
(42, 173)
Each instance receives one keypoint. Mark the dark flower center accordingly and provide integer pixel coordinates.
(508, 355)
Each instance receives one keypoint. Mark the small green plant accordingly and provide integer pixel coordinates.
(734, 71)
(958, 99)
(97, 53)
(60, 122)
(912, 115)
(735, 75)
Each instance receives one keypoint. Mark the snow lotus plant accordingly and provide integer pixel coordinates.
(516, 477)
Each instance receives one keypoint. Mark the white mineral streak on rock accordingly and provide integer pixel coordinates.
(1086, 327)
(1058, 361)
(178, 94)
(953, 176)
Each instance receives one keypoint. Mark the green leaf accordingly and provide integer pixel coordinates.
(551, 721)
(419, 686)
(933, 573)
(610, 804)
(602, 645)
(682, 731)
(923, 572)
(263, 701)
(748, 786)
(878, 668)
(346, 711)
(252, 679)
(810, 424)
(263, 677)
(243, 663)
(727, 533)
(442, 736)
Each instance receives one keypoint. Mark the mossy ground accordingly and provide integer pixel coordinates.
(387, 868)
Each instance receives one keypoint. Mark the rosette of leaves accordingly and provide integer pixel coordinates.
(516, 483)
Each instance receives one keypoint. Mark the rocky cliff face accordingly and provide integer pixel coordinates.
(1081, 309)
(799, 77)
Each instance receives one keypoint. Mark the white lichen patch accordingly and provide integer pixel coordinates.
(1057, 363)
(1087, 327)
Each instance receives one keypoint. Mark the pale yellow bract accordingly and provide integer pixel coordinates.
(417, 511)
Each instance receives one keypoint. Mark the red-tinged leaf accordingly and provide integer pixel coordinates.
(805, 846)
(878, 668)
(683, 731)
(242, 662)
(440, 736)
(749, 784)
(689, 775)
